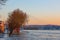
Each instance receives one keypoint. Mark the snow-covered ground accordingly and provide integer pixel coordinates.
(34, 35)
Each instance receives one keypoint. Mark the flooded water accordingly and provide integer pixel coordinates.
(33, 35)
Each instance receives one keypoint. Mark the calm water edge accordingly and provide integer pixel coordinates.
(33, 35)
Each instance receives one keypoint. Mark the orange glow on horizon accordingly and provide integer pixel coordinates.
(52, 21)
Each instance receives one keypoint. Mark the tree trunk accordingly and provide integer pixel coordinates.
(10, 32)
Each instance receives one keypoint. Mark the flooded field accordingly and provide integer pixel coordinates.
(33, 35)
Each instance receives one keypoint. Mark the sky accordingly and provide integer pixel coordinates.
(40, 12)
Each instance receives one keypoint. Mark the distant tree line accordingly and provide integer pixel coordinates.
(42, 27)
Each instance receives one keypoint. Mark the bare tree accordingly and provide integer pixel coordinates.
(2, 2)
(16, 19)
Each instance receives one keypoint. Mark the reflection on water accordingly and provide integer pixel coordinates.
(33, 35)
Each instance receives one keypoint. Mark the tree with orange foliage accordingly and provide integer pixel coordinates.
(15, 20)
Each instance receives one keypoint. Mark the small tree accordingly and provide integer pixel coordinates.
(16, 19)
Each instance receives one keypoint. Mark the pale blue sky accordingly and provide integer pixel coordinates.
(41, 9)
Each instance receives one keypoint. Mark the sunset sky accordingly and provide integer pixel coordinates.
(39, 11)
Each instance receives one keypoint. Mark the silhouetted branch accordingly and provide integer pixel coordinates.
(2, 2)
